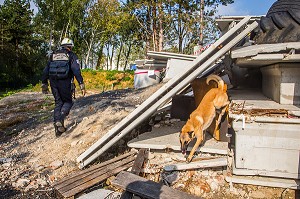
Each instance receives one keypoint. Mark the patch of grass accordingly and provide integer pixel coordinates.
(111, 75)
(100, 80)
(8, 93)
(126, 78)
(43, 118)
(107, 80)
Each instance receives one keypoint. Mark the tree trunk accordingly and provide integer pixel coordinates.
(148, 24)
(119, 55)
(127, 55)
(107, 57)
(180, 37)
(154, 27)
(100, 56)
(89, 49)
(201, 22)
(161, 33)
(112, 57)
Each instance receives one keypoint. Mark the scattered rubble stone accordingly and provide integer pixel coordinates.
(21, 183)
(6, 165)
(37, 146)
(156, 126)
(41, 182)
(31, 186)
(56, 164)
(5, 160)
(171, 178)
(52, 178)
(74, 143)
(39, 168)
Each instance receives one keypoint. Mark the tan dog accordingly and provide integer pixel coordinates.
(200, 88)
(203, 116)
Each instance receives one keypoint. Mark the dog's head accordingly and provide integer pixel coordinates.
(185, 137)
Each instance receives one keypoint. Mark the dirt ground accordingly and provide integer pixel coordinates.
(32, 158)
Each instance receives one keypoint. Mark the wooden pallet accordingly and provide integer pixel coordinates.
(79, 181)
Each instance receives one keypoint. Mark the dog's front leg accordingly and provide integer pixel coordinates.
(199, 136)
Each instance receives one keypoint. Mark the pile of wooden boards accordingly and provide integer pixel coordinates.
(130, 182)
(82, 180)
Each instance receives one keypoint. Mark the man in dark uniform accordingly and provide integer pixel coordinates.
(60, 70)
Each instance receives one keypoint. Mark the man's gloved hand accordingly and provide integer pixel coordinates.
(82, 88)
(45, 89)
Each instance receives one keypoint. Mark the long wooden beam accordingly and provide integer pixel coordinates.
(147, 188)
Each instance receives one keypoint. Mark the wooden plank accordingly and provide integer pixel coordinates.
(139, 161)
(218, 162)
(77, 180)
(92, 169)
(136, 169)
(96, 180)
(88, 178)
(147, 188)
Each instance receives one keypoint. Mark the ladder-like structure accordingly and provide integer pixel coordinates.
(204, 62)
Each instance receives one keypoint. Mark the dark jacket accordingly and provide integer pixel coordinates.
(74, 68)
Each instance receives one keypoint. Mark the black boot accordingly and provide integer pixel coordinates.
(59, 128)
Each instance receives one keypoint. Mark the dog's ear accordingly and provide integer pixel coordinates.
(191, 134)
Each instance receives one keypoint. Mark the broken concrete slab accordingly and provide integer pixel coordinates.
(266, 60)
(168, 55)
(263, 48)
(100, 193)
(217, 162)
(263, 181)
(167, 137)
(174, 66)
(255, 99)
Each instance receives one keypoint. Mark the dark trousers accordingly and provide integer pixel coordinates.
(61, 90)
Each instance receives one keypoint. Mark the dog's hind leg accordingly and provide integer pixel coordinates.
(199, 135)
(218, 121)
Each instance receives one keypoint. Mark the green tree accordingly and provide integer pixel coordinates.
(175, 25)
(18, 60)
(57, 19)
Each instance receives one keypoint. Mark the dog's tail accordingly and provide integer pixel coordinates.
(219, 80)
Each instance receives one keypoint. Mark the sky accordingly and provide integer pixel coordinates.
(241, 7)
(246, 7)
